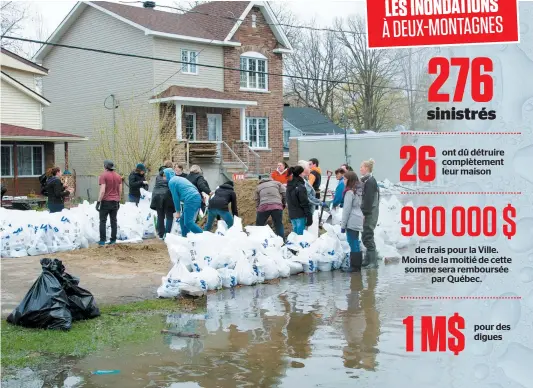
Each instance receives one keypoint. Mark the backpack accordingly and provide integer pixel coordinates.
(42, 180)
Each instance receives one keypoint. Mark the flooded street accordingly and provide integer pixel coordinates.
(326, 329)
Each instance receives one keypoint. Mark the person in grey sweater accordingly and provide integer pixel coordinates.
(270, 198)
(352, 219)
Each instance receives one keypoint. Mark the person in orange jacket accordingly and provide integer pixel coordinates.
(315, 178)
(281, 173)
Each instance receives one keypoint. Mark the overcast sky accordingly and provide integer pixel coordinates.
(324, 12)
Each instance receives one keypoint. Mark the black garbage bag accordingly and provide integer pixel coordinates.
(46, 305)
(76, 302)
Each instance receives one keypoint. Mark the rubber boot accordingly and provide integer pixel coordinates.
(371, 259)
(356, 261)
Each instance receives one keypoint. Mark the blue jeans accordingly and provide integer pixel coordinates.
(132, 198)
(188, 216)
(213, 213)
(298, 225)
(55, 207)
(353, 240)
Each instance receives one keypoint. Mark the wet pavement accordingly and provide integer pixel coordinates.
(326, 329)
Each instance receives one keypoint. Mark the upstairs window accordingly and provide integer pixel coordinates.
(254, 21)
(190, 57)
(253, 72)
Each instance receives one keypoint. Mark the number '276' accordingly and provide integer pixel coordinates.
(482, 85)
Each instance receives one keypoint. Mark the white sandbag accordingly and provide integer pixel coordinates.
(267, 266)
(37, 245)
(336, 216)
(172, 283)
(245, 272)
(309, 263)
(222, 228)
(14, 242)
(208, 279)
(167, 289)
(282, 265)
(178, 250)
(295, 267)
(313, 229)
(228, 277)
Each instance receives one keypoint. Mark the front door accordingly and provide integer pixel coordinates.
(214, 128)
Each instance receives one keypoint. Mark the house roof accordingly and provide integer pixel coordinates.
(23, 60)
(310, 121)
(24, 89)
(201, 97)
(213, 23)
(16, 132)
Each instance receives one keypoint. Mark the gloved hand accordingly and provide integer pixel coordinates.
(145, 182)
(343, 230)
(98, 206)
(324, 204)
(309, 220)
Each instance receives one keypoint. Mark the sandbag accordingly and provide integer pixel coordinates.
(245, 272)
(208, 279)
(295, 267)
(267, 266)
(228, 277)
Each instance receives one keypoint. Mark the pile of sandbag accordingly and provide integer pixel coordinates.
(247, 256)
(31, 233)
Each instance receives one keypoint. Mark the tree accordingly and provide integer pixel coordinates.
(13, 16)
(370, 75)
(318, 57)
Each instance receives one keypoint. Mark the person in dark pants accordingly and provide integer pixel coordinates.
(137, 181)
(370, 209)
(56, 191)
(109, 201)
(162, 203)
(298, 204)
(270, 198)
(352, 218)
(218, 205)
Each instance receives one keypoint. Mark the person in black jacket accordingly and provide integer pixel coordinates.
(218, 205)
(137, 181)
(55, 191)
(370, 209)
(197, 179)
(163, 204)
(298, 202)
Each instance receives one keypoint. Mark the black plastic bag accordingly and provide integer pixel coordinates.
(55, 300)
(46, 305)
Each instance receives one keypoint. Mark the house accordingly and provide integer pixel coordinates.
(305, 121)
(26, 149)
(220, 72)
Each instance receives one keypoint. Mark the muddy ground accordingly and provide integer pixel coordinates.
(114, 274)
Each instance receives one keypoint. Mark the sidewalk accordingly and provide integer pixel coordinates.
(114, 274)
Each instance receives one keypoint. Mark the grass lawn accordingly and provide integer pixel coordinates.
(130, 322)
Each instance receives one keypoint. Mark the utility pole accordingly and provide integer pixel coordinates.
(114, 130)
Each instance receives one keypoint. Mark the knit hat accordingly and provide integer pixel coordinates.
(141, 167)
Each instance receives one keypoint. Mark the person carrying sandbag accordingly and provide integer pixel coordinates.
(219, 204)
(298, 204)
(184, 191)
(352, 219)
(56, 191)
(137, 181)
(162, 203)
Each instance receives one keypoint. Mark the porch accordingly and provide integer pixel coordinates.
(26, 154)
(209, 127)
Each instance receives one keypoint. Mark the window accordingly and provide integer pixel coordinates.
(190, 126)
(254, 21)
(30, 160)
(286, 136)
(7, 160)
(257, 132)
(254, 75)
(190, 57)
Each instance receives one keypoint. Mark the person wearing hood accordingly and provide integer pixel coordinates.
(162, 203)
(315, 176)
(370, 209)
(218, 205)
(280, 174)
(352, 219)
(270, 198)
(300, 211)
(311, 193)
(182, 190)
(56, 191)
(137, 181)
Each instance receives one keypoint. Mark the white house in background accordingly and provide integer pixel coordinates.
(26, 149)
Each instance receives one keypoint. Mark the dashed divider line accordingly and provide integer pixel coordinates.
(460, 297)
(461, 192)
(460, 133)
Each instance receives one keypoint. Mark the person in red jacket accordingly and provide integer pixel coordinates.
(281, 173)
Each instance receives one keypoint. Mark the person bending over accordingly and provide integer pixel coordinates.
(219, 204)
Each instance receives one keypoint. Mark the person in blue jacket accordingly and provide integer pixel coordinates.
(338, 199)
(183, 190)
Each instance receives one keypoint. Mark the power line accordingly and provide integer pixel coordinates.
(342, 82)
(236, 19)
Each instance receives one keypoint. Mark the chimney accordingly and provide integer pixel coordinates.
(149, 4)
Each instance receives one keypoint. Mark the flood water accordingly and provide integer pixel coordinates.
(327, 329)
